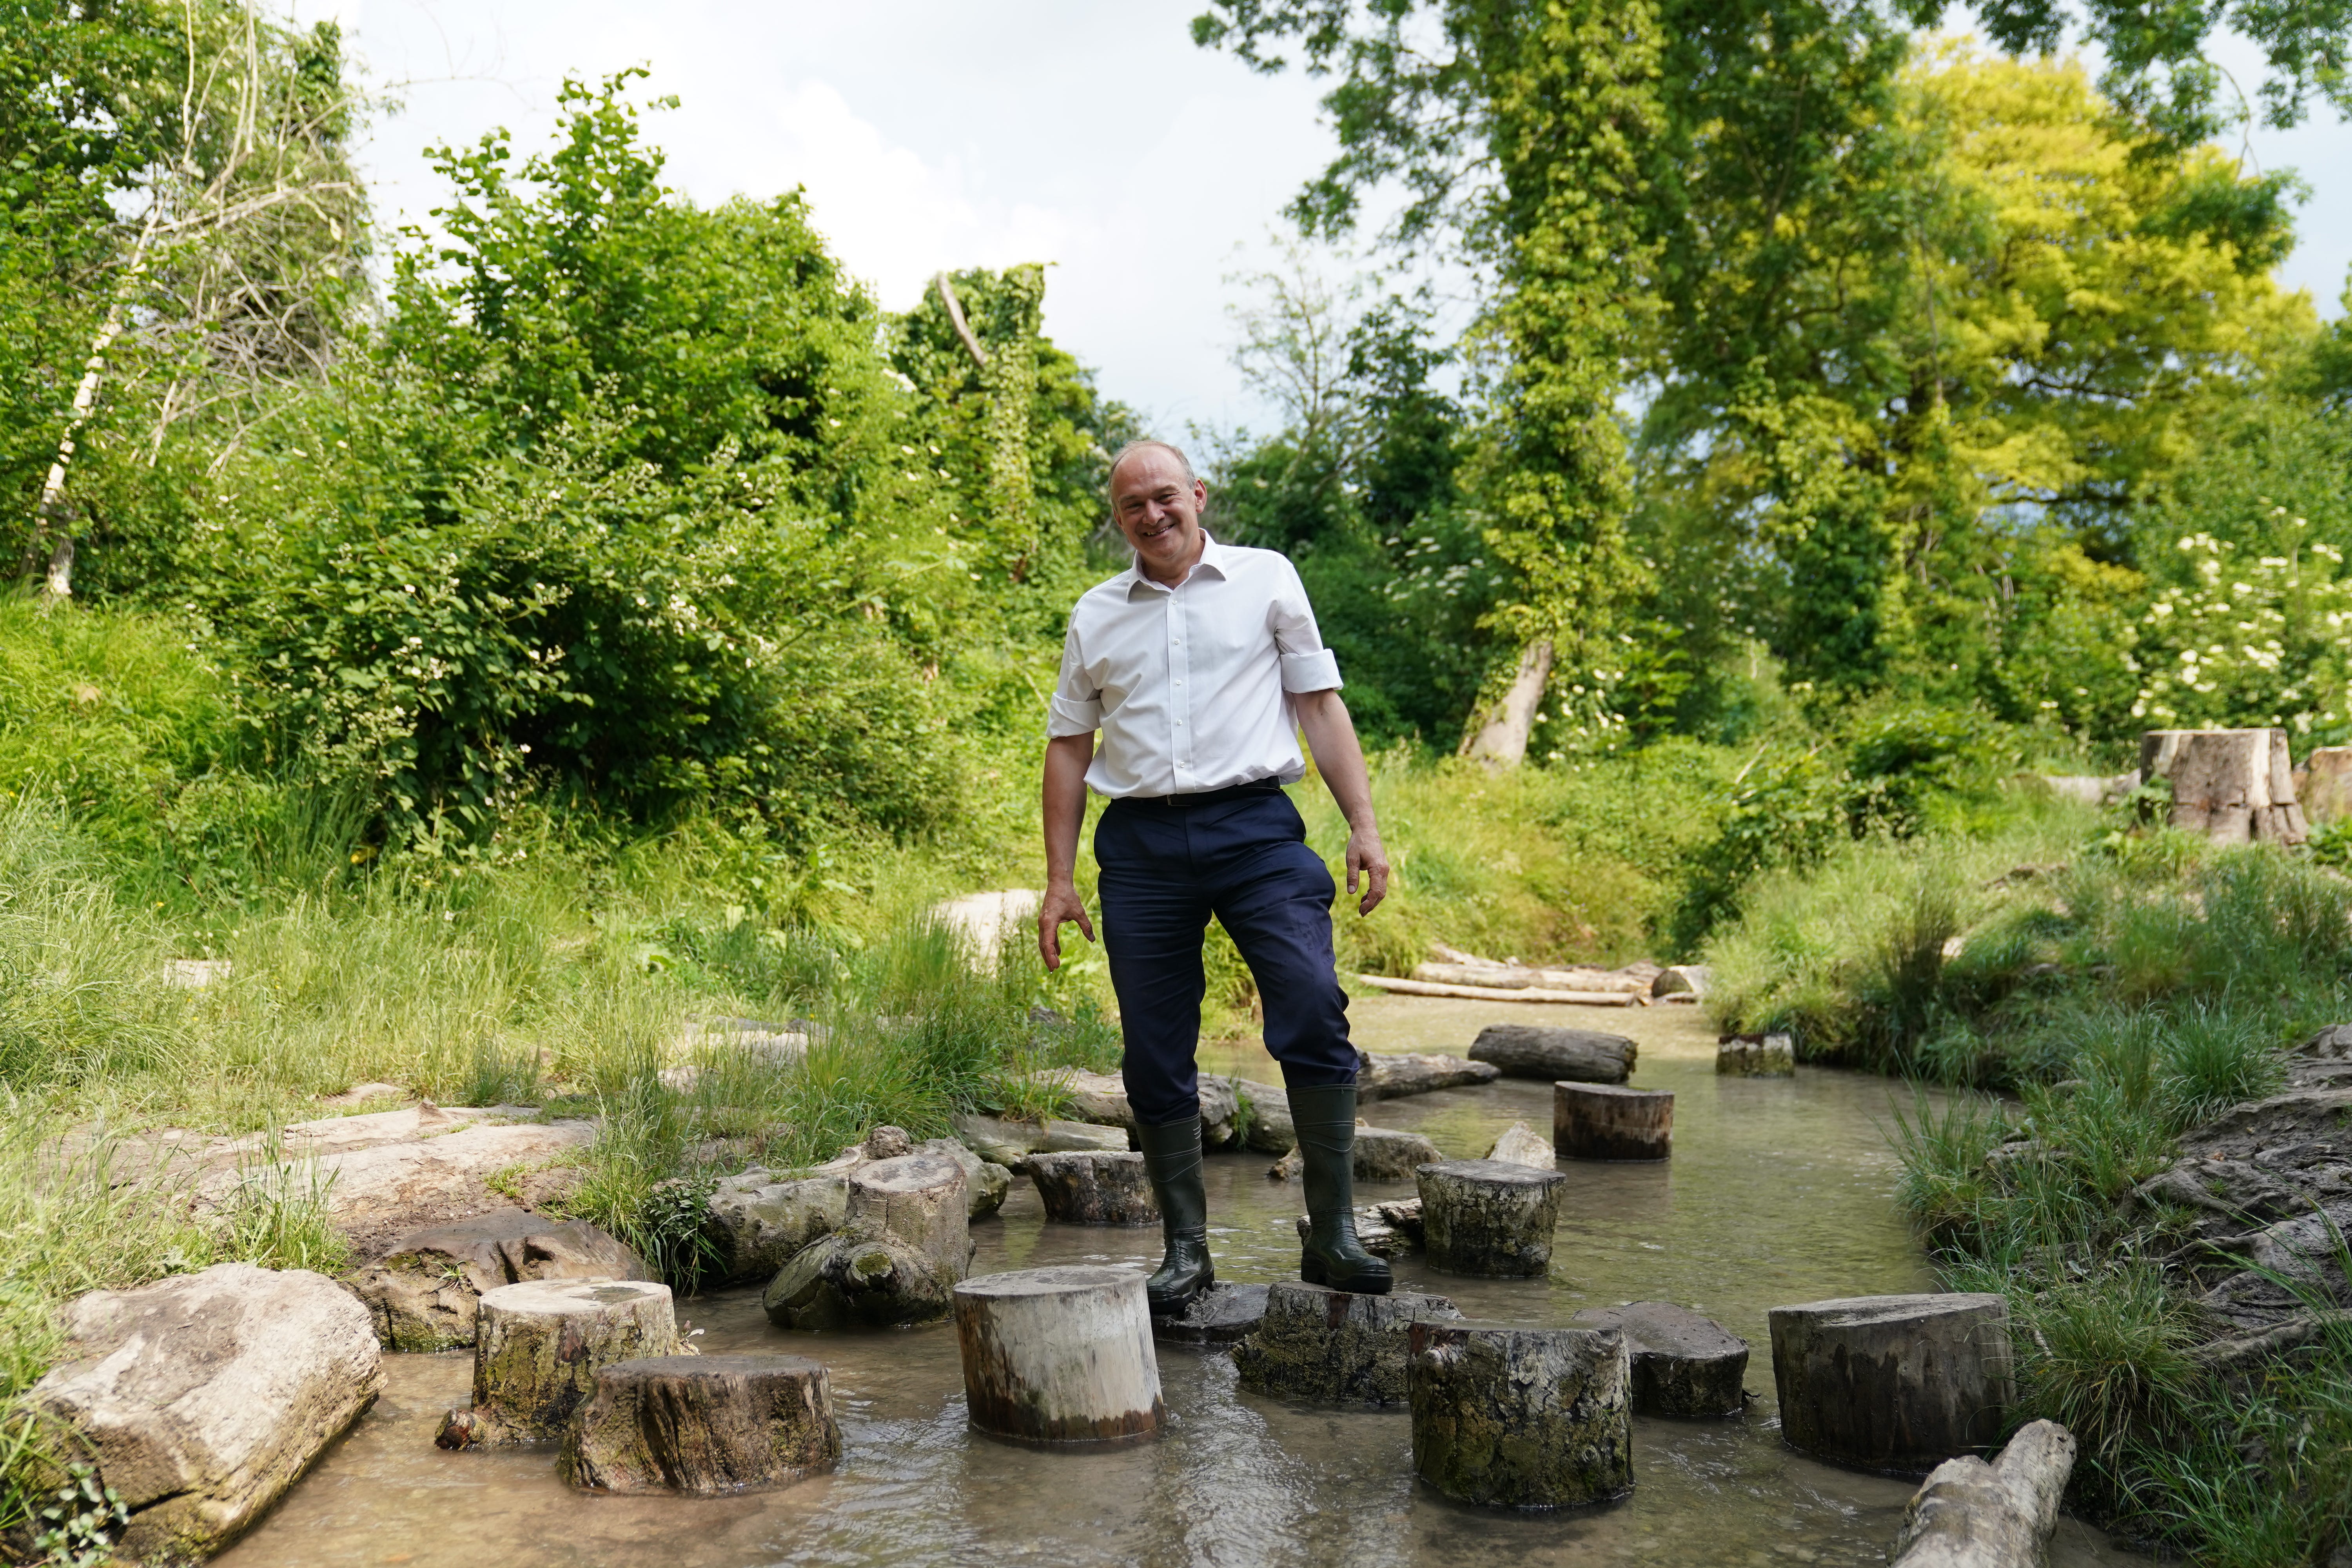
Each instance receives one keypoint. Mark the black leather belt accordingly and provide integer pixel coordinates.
(1206, 796)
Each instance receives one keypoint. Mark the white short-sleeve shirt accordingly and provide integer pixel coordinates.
(1191, 686)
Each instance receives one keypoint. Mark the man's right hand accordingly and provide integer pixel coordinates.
(1062, 905)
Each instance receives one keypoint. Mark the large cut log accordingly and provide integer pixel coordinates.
(704, 1424)
(2232, 785)
(539, 1347)
(1217, 1316)
(1683, 1364)
(1094, 1189)
(1895, 1384)
(1384, 1076)
(202, 1398)
(1490, 1217)
(1317, 1343)
(1502, 994)
(1971, 1514)
(1521, 1418)
(1520, 977)
(426, 1294)
(1059, 1355)
(1603, 1121)
(1556, 1056)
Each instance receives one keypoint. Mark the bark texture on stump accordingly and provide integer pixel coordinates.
(920, 1199)
(426, 1294)
(1059, 1355)
(1320, 1343)
(1602, 1121)
(540, 1345)
(1537, 1051)
(2232, 785)
(1971, 1514)
(1490, 1217)
(1094, 1189)
(1522, 1418)
(703, 1423)
(1683, 1364)
(1896, 1384)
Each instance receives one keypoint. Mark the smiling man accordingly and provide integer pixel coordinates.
(1200, 665)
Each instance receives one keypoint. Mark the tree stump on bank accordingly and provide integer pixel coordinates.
(1315, 1342)
(1540, 1051)
(1094, 1188)
(1756, 1055)
(1489, 1217)
(1059, 1355)
(1971, 1514)
(1896, 1384)
(905, 1240)
(2232, 785)
(1683, 1365)
(1603, 1121)
(1521, 1418)
(703, 1424)
(538, 1345)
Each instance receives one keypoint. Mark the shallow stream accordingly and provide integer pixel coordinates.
(1778, 1190)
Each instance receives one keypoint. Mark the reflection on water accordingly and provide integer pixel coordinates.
(1778, 1190)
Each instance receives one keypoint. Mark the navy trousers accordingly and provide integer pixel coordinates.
(1165, 871)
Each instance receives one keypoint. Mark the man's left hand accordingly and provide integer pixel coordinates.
(1368, 859)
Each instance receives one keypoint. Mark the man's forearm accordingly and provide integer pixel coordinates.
(1066, 759)
(1339, 756)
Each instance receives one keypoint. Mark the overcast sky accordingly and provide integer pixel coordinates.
(1090, 135)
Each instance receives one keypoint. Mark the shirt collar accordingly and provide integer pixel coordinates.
(1212, 559)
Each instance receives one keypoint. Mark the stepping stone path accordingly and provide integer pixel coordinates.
(1521, 1418)
(426, 1294)
(706, 1424)
(1318, 1343)
(1217, 1316)
(905, 1240)
(1895, 1384)
(1538, 1051)
(538, 1348)
(1756, 1055)
(1490, 1217)
(1602, 1121)
(1683, 1364)
(1059, 1355)
(1094, 1188)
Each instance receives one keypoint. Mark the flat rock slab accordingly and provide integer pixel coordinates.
(1683, 1364)
(1555, 1055)
(425, 1293)
(1381, 1154)
(1756, 1055)
(1006, 1141)
(1217, 1316)
(1521, 1144)
(1894, 1384)
(1094, 1188)
(1381, 1076)
(1317, 1343)
(1489, 1217)
(1512, 1417)
(203, 1397)
(703, 1424)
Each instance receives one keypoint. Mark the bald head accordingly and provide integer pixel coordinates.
(1136, 449)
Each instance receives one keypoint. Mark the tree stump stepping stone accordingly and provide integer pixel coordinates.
(425, 1293)
(1515, 1418)
(1756, 1055)
(1552, 1054)
(1094, 1188)
(1605, 1122)
(1683, 1364)
(538, 1349)
(1490, 1217)
(1895, 1384)
(1059, 1355)
(1317, 1343)
(1970, 1514)
(905, 1240)
(704, 1424)
(1217, 1316)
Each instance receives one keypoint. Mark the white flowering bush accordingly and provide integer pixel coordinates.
(2246, 638)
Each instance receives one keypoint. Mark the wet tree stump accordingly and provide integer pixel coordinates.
(1683, 1364)
(921, 1199)
(1315, 1342)
(537, 1349)
(1542, 1051)
(1971, 1514)
(1094, 1188)
(1489, 1217)
(1059, 1355)
(905, 1240)
(705, 1424)
(1521, 1418)
(1603, 1121)
(1895, 1384)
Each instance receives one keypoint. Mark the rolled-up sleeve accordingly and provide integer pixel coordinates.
(1075, 706)
(1307, 664)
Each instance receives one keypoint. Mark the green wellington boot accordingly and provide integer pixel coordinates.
(1325, 1118)
(1172, 1158)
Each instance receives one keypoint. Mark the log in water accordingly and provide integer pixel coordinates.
(1059, 1355)
(1602, 1121)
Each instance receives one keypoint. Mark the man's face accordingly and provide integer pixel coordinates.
(1159, 510)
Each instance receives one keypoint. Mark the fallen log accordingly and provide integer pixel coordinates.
(1971, 1514)
(1498, 993)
